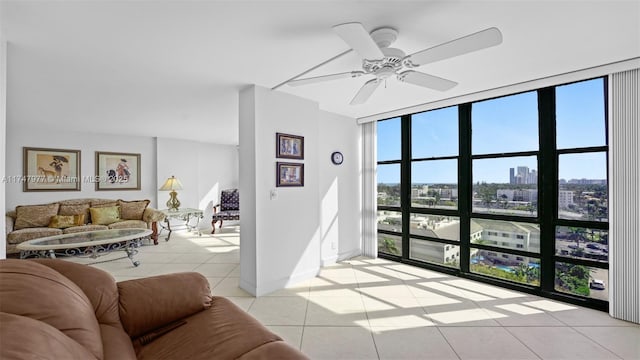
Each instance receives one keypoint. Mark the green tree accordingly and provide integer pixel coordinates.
(573, 279)
(389, 245)
(504, 202)
(577, 234)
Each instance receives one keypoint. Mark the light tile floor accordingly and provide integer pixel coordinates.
(376, 309)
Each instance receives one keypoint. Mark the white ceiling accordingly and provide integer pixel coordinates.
(174, 68)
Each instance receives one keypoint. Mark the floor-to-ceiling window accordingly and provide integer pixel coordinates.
(511, 190)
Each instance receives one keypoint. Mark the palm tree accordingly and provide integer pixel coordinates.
(437, 196)
(577, 233)
(521, 271)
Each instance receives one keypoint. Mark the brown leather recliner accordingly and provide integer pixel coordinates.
(55, 309)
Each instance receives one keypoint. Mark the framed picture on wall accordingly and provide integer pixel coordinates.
(289, 174)
(51, 169)
(117, 171)
(289, 146)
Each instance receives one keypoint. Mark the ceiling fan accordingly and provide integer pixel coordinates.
(382, 61)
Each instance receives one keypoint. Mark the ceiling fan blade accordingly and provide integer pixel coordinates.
(466, 44)
(365, 92)
(426, 80)
(317, 79)
(359, 40)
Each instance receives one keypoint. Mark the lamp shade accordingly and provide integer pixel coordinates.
(171, 184)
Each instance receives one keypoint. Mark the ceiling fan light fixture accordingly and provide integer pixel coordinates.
(385, 72)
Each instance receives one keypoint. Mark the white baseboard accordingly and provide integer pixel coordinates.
(349, 254)
(329, 260)
(279, 284)
(246, 286)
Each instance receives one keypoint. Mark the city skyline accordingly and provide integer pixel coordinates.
(579, 119)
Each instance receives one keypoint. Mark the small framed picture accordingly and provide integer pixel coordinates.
(289, 174)
(51, 169)
(117, 171)
(289, 146)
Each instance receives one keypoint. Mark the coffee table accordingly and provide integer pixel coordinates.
(86, 244)
(184, 214)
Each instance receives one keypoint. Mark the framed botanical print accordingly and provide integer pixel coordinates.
(117, 171)
(289, 146)
(51, 169)
(289, 174)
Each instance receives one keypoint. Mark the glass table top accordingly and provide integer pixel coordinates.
(85, 238)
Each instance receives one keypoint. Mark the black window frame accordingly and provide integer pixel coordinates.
(548, 191)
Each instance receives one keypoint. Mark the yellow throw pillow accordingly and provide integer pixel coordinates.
(65, 221)
(105, 215)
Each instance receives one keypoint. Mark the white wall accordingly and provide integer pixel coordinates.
(204, 170)
(248, 210)
(3, 118)
(19, 137)
(340, 188)
(287, 229)
(283, 245)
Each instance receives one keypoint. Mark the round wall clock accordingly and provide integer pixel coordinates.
(337, 158)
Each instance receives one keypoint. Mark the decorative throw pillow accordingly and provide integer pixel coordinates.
(75, 209)
(29, 216)
(65, 221)
(96, 203)
(132, 210)
(105, 215)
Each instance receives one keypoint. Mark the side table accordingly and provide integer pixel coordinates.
(184, 214)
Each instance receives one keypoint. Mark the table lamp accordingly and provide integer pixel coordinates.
(172, 184)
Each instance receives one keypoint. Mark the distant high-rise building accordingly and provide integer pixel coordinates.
(533, 177)
(565, 198)
(522, 175)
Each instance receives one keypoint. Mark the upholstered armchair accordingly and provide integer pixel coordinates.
(227, 209)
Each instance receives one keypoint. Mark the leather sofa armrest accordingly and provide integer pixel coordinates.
(152, 215)
(150, 303)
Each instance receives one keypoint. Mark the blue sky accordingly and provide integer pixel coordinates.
(507, 124)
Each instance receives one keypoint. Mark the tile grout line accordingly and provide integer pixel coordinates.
(596, 341)
(448, 343)
(366, 313)
(521, 342)
(436, 325)
(304, 323)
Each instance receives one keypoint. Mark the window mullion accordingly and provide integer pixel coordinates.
(548, 185)
(465, 183)
(405, 181)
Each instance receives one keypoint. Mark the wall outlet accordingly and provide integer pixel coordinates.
(273, 194)
(333, 246)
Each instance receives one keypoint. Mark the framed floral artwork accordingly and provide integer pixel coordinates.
(117, 171)
(51, 169)
(289, 174)
(289, 146)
